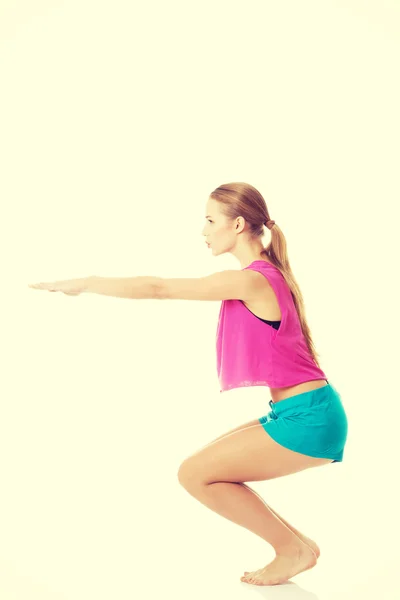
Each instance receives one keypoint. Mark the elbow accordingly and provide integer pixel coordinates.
(159, 290)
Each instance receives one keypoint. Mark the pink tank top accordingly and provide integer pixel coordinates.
(253, 353)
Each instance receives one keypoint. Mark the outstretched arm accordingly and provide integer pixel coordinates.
(225, 285)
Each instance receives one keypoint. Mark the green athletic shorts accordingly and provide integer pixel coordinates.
(312, 423)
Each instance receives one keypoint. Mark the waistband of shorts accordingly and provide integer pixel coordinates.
(305, 399)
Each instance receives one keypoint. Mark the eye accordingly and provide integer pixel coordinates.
(209, 220)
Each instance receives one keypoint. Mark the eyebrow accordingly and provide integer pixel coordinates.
(207, 216)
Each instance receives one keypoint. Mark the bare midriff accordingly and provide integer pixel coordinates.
(278, 394)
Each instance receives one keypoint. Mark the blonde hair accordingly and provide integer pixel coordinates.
(243, 200)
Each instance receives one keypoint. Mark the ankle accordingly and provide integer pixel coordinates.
(293, 550)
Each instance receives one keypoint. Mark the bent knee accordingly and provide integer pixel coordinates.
(188, 473)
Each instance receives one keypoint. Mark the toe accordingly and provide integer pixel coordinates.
(252, 573)
(250, 576)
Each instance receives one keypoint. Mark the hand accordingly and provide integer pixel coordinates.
(71, 287)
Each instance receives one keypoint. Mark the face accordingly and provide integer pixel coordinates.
(216, 230)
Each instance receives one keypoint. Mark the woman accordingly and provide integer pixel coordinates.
(262, 339)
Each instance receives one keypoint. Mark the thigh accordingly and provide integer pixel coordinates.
(239, 428)
(248, 454)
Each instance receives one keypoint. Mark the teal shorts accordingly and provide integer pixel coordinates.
(312, 423)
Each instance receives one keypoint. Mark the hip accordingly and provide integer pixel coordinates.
(321, 407)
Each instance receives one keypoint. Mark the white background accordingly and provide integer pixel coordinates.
(117, 121)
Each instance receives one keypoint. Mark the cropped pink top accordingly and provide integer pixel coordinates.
(251, 352)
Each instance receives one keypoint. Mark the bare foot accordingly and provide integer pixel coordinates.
(306, 540)
(282, 568)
